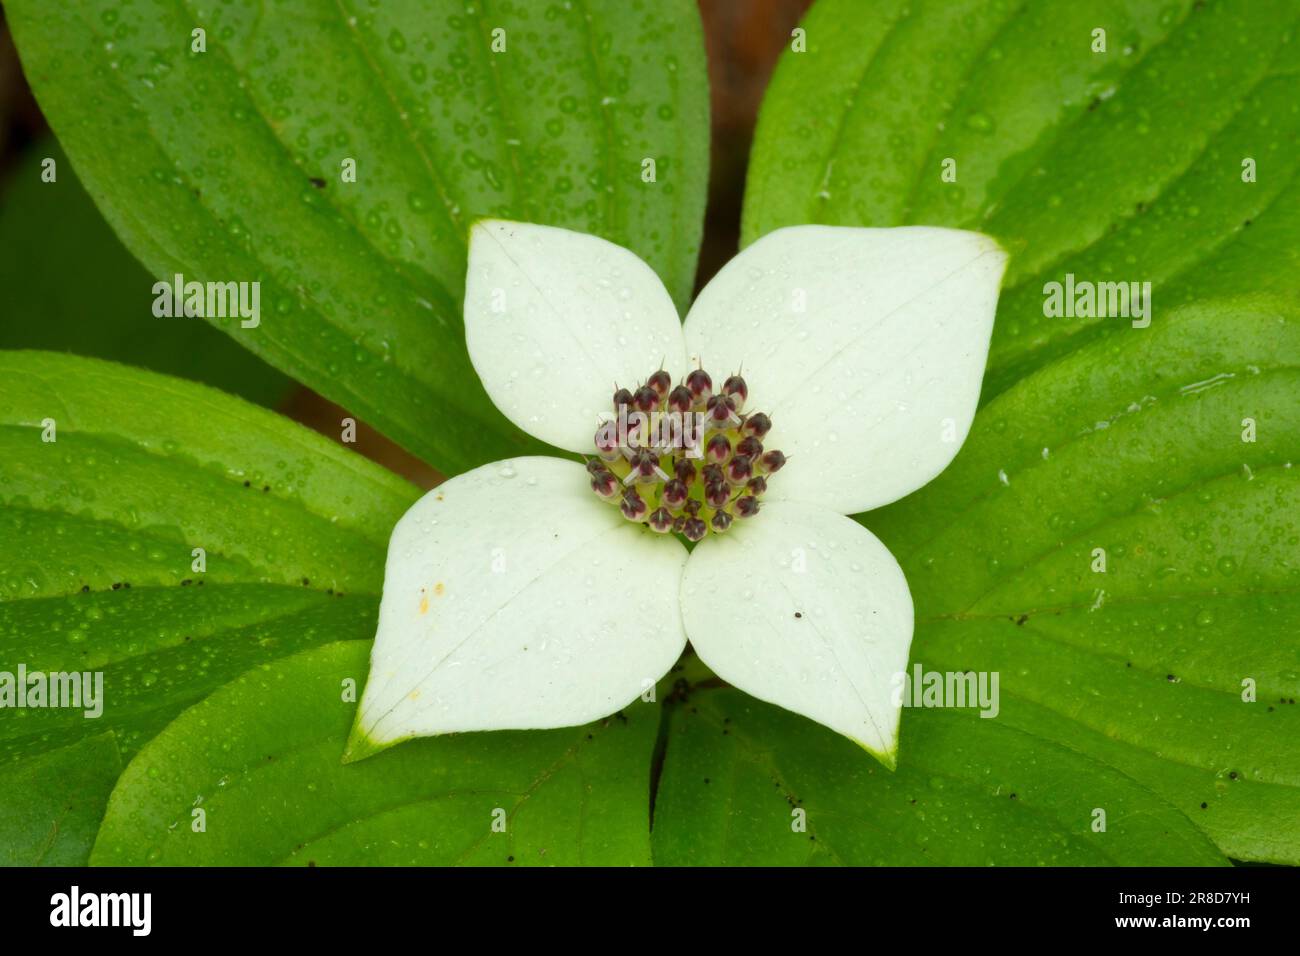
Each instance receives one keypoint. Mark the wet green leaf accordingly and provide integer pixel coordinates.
(51, 804)
(228, 165)
(98, 531)
(746, 783)
(1177, 663)
(260, 759)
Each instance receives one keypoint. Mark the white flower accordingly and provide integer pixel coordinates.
(515, 598)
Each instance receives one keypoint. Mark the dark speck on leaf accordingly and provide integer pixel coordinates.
(266, 488)
(706, 779)
(1204, 806)
(306, 583)
(318, 182)
(1021, 619)
(1171, 678)
(798, 614)
(187, 582)
(85, 588)
(117, 585)
(510, 859)
(1232, 775)
(248, 484)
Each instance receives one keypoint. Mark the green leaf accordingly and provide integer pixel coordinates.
(1143, 665)
(260, 758)
(54, 825)
(1123, 166)
(97, 536)
(107, 312)
(226, 165)
(967, 792)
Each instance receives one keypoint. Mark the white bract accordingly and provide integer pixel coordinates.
(514, 598)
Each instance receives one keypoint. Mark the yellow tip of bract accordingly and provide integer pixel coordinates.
(484, 226)
(360, 746)
(888, 758)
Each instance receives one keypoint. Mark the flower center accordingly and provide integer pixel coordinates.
(686, 460)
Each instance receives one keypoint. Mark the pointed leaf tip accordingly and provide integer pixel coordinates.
(360, 745)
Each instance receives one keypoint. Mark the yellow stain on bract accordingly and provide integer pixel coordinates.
(439, 589)
(424, 602)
